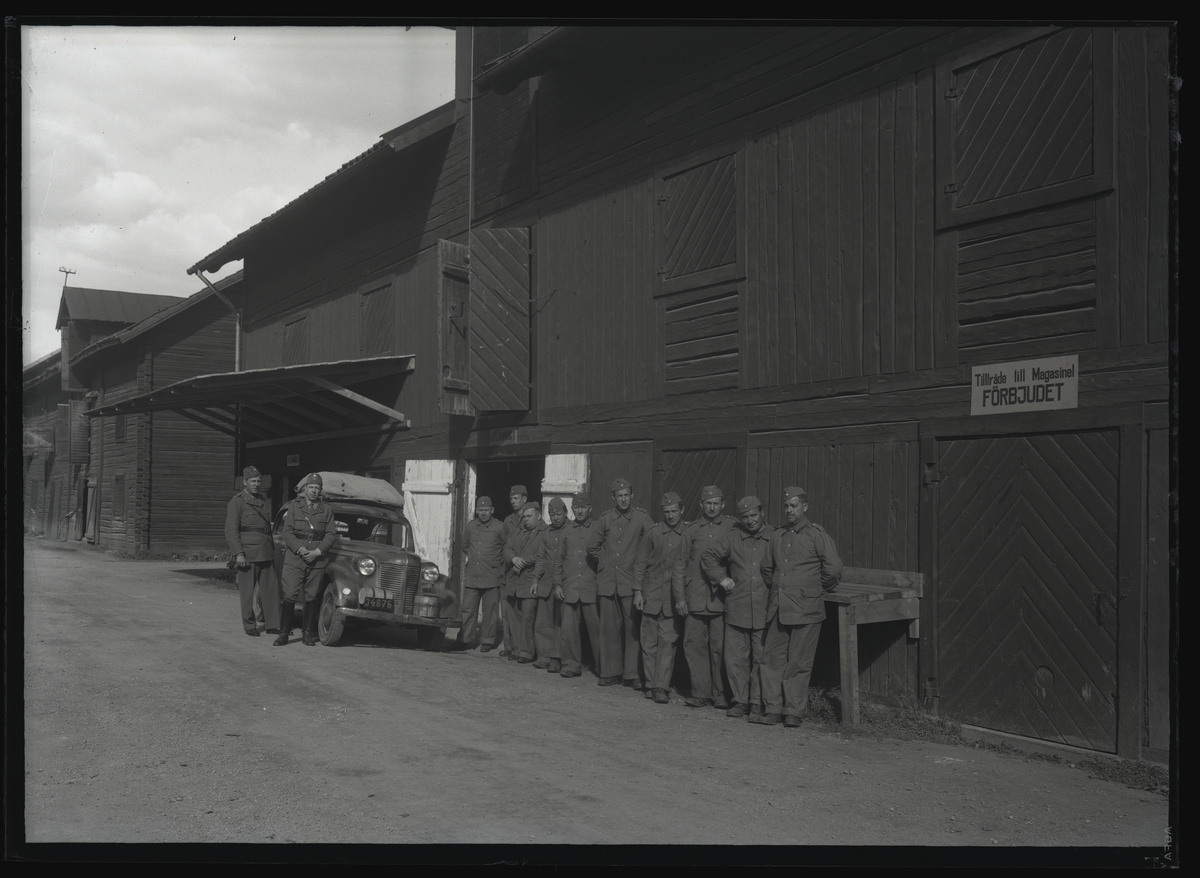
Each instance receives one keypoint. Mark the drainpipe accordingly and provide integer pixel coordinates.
(237, 317)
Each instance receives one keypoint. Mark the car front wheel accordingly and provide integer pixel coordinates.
(331, 624)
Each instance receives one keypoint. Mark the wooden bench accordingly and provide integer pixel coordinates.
(863, 596)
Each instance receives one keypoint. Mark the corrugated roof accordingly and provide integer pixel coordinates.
(177, 307)
(114, 306)
(398, 139)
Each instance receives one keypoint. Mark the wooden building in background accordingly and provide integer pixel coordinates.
(767, 256)
(160, 482)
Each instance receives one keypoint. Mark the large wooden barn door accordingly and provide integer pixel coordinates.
(1027, 585)
(429, 508)
(499, 326)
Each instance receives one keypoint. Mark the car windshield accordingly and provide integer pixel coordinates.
(372, 529)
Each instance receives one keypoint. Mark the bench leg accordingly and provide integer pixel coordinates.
(848, 646)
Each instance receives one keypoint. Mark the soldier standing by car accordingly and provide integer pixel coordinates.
(747, 551)
(525, 555)
(652, 575)
(483, 576)
(703, 604)
(547, 625)
(806, 567)
(517, 497)
(248, 533)
(577, 578)
(622, 528)
(308, 532)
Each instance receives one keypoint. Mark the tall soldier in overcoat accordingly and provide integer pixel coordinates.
(547, 624)
(308, 532)
(806, 567)
(525, 556)
(248, 533)
(518, 496)
(483, 576)
(577, 581)
(652, 574)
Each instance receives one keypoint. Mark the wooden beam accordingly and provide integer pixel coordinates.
(356, 397)
(332, 434)
(301, 410)
(355, 416)
(195, 417)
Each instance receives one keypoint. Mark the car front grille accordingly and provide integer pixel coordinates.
(399, 582)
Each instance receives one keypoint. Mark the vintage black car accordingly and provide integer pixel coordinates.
(374, 575)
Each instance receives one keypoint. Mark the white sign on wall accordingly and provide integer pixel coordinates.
(1025, 386)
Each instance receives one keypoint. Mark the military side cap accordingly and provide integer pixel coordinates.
(793, 491)
(621, 485)
(532, 504)
(557, 503)
(310, 479)
(483, 500)
(251, 472)
(711, 492)
(518, 489)
(748, 503)
(671, 499)
(581, 498)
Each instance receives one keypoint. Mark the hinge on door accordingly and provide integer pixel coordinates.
(933, 475)
(952, 94)
(663, 199)
(951, 188)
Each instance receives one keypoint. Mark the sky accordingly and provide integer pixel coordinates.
(147, 148)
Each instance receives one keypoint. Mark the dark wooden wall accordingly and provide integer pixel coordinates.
(121, 378)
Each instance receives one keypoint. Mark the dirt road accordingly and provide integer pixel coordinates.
(151, 717)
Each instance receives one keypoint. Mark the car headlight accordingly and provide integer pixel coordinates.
(429, 572)
(366, 565)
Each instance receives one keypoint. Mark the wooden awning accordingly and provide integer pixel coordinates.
(283, 404)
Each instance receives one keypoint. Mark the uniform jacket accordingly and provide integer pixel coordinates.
(688, 583)
(247, 510)
(751, 565)
(512, 524)
(622, 534)
(806, 566)
(484, 545)
(525, 544)
(308, 527)
(578, 561)
(655, 567)
(553, 546)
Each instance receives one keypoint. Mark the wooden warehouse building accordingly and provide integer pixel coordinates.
(768, 256)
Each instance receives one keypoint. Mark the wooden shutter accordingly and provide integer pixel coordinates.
(118, 499)
(79, 432)
(378, 305)
(498, 328)
(62, 431)
(453, 314)
(699, 221)
(295, 342)
(1024, 125)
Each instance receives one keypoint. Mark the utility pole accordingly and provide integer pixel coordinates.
(67, 272)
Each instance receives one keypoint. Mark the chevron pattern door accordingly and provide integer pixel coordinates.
(1027, 585)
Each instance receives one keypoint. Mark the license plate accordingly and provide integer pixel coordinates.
(386, 605)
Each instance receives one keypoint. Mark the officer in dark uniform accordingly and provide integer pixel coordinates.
(248, 533)
(308, 531)
(806, 567)
(483, 576)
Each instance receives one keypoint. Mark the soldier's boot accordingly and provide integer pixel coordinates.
(309, 637)
(285, 623)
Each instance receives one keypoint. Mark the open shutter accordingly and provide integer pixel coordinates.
(498, 328)
(454, 277)
(1024, 125)
(429, 507)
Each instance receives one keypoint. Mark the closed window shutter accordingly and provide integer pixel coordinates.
(379, 321)
(453, 317)
(499, 328)
(295, 342)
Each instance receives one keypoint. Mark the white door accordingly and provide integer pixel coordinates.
(429, 506)
(565, 474)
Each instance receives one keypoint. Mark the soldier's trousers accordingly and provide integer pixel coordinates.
(300, 583)
(743, 663)
(659, 635)
(569, 634)
(260, 574)
(546, 628)
(519, 617)
(704, 649)
(788, 653)
(619, 652)
(474, 634)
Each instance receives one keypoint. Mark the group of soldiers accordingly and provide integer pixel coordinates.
(747, 598)
(308, 531)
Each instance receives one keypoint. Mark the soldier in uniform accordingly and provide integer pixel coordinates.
(577, 585)
(546, 626)
(248, 533)
(747, 551)
(652, 575)
(517, 497)
(524, 553)
(622, 530)
(483, 575)
(806, 567)
(702, 604)
(308, 532)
